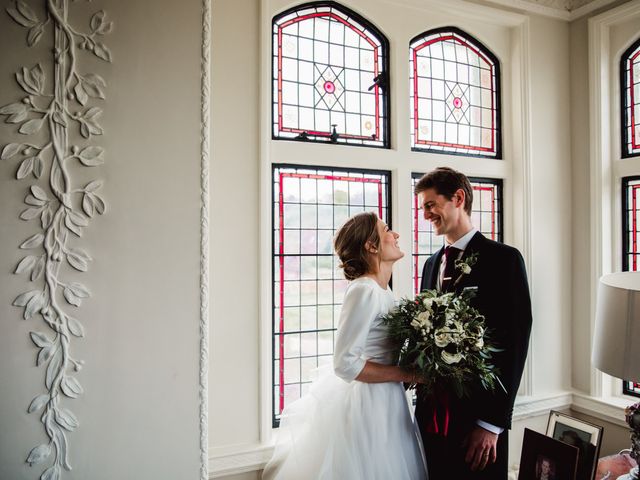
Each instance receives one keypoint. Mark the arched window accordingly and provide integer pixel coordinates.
(330, 70)
(630, 88)
(455, 94)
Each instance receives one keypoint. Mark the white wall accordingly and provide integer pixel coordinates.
(139, 414)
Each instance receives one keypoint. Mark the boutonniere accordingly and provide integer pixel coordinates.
(464, 265)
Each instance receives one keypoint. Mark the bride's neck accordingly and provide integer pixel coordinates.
(381, 275)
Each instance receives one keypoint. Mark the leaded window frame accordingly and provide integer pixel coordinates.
(625, 78)
(382, 85)
(384, 212)
(473, 43)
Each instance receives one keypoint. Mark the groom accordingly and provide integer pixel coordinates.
(468, 438)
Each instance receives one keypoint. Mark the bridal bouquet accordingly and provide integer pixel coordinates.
(441, 337)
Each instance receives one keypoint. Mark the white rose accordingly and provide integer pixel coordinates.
(428, 303)
(451, 358)
(442, 338)
(466, 269)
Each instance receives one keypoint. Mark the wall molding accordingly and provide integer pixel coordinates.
(205, 143)
(61, 207)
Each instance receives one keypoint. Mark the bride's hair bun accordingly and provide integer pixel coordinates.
(350, 244)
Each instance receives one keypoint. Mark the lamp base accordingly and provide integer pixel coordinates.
(632, 475)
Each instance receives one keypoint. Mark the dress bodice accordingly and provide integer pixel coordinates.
(362, 334)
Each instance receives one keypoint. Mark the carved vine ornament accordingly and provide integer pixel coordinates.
(61, 209)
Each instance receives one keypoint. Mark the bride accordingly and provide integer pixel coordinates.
(355, 424)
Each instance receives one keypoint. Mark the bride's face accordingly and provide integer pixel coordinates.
(389, 251)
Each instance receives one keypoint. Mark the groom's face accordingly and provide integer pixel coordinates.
(440, 211)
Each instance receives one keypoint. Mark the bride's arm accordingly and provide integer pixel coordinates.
(377, 373)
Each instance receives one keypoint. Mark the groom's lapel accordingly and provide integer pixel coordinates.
(472, 247)
(435, 268)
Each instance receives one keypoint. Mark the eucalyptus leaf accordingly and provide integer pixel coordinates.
(92, 88)
(75, 327)
(81, 95)
(44, 355)
(78, 218)
(88, 205)
(31, 200)
(34, 241)
(26, 264)
(26, 167)
(91, 156)
(72, 226)
(71, 387)
(17, 117)
(39, 454)
(38, 268)
(38, 165)
(65, 418)
(61, 439)
(93, 186)
(34, 305)
(53, 369)
(20, 77)
(37, 76)
(97, 20)
(39, 192)
(71, 298)
(58, 117)
(30, 213)
(19, 18)
(99, 203)
(101, 51)
(106, 28)
(46, 217)
(12, 108)
(52, 473)
(95, 79)
(84, 129)
(40, 339)
(10, 150)
(26, 11)
(79, 290)
(34, 34)
(32, 126)
(38, 402)
(22, 299)
(77, 262)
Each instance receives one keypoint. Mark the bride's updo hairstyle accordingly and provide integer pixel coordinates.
(350, 244)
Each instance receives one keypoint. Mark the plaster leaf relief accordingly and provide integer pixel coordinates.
(50, 109)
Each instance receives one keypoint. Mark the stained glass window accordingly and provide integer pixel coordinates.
(455, 94)
(308, 287)
(630, 88)
(486, 216)
(630, 248)
(329, 77)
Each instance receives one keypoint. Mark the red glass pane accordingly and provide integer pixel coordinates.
(486, 216)
(308, 287)
(454, 94)
(326, 60)
(631, 100)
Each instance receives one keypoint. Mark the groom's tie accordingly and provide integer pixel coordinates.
(451, 255)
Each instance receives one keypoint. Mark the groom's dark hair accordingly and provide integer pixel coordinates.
(447, 181)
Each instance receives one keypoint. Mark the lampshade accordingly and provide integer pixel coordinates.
(617, 329)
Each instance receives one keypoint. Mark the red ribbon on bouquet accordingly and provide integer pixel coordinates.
(438, 421)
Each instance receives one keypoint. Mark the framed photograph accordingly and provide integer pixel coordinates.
(587, 437)
(545, 458)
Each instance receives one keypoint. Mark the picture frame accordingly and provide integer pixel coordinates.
(545, 458)
(587, 437)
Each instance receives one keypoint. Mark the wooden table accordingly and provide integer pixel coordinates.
(611, 467)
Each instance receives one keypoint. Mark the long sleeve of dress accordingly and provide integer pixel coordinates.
(359, 309)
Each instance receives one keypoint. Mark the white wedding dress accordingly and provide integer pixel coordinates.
(344, 429)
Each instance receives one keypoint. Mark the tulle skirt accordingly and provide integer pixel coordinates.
(348, 431)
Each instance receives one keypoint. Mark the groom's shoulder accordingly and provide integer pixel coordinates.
(499, 249)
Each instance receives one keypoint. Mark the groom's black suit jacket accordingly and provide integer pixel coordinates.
(502, 296)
